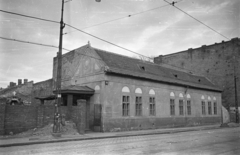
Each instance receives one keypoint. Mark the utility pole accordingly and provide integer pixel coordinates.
(57, 115)
(235, 86)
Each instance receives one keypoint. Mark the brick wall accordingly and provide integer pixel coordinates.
(2, 118)
(20, 118)
(214, 62)
(79, 115)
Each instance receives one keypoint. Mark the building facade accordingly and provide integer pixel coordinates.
(124, 93)
(216, 62)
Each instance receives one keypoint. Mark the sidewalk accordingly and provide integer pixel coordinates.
(8, 142)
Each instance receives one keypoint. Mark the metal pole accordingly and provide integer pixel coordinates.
(56, 127)
(236, 97)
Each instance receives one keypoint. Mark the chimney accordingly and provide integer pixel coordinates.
(19, 81)
(158, 60)
(25, 81)
(11, 84)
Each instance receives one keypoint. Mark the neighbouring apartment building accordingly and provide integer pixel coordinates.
(124, 93)
(215, 62)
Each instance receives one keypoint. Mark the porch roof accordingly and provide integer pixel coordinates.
(84, 90)
(73, 89)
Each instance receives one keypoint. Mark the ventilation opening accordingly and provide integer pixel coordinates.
(142, 68)
(199, 80)
(175, 75)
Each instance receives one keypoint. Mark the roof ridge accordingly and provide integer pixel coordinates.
(117, 54)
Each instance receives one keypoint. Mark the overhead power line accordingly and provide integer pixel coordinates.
(128, 16)
(173, 4)
(28, 42)
(22, 41)
(107, 41)
(46, 20)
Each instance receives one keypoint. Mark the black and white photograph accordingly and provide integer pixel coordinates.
(119, 77)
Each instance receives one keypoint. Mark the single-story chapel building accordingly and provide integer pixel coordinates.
(124, 93)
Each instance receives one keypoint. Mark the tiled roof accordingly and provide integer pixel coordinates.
(77, 89)
(124, 65)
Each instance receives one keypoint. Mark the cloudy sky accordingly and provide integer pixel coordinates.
(159, 31)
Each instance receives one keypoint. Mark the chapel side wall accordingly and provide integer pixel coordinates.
(79, 67)
(83, 67)
(112, 106)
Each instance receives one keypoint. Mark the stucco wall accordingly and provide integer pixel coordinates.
(216, 62)
(79, 66)
(83, 67)
(112, 105)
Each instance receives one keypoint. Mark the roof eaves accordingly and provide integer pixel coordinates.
(164, 79)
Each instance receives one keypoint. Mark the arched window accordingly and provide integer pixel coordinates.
(209, 106)
(172, 104)
(138, 102)
(214, 106)
(189, 111)
(203, 105)
(151, 92)
(209, 98)
(181, 104)
(125, 101)
(152, 107)
(180, 95)
(125, 90)
(138, 91)
(97, 88)
(172, 94)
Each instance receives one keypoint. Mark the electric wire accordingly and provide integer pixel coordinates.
(128, 16)
(101, 24)
(27, 42)
(18, 14)
(172, 66)
(173, 4)
(106, 41)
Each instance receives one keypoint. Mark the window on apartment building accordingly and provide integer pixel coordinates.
(152, 106)
(125, 101)
(203, 108)
(180, 107)
(189, 112)
(215, 108)
(209, 108)
(138, 106)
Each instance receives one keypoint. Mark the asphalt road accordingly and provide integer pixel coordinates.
(225, 141)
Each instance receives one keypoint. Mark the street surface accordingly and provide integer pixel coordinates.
(224, 141)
